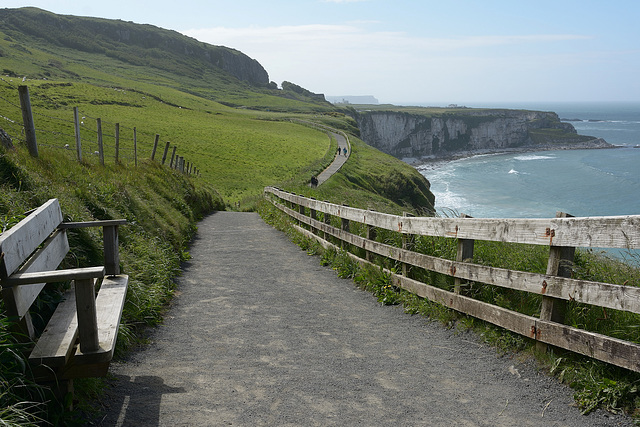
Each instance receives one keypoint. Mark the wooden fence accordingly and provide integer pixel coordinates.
(562, 234)
(175, 161)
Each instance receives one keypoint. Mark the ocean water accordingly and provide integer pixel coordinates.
(597, 182)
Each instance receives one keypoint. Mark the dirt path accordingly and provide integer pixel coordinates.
(261, 335)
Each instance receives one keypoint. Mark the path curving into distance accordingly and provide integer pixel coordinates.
(339, 160)
(259, 334)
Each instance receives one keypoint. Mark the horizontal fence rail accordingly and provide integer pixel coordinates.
(559, 234)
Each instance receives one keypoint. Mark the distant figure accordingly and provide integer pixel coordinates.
(344, 150)
(339, 150)
(314, 182)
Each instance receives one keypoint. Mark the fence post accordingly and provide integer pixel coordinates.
(166, 150)
(135, 147)
(173, 155)
(27, 119)
(345, 227)
(408, 241)
(371, 235)
(327, 221)
(560, 264)
(302, 211)
(117, 142)
(465, 252)
(155, 146)
(100, 145)
(76, 127)
(313, 215)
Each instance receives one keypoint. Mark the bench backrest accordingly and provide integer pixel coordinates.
(31, 240)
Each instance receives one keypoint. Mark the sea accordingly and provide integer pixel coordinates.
(596, 182)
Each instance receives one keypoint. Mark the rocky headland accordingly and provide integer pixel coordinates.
(420, 135)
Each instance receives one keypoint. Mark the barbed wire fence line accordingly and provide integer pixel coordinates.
(89, 139)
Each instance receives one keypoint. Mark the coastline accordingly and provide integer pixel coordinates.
(594, 144)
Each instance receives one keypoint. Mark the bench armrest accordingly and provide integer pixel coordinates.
(110, 240)
(86, 224)
(53, 276)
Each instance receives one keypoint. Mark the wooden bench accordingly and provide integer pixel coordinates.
(80, 337)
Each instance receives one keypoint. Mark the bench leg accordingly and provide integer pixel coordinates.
(87, 315)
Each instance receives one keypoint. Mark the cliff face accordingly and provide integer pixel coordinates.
(454, 133)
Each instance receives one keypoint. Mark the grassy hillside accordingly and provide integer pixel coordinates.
(43, 45)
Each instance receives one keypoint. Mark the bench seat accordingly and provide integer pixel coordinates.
(56, 345)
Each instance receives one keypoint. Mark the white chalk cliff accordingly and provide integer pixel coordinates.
(469, 131)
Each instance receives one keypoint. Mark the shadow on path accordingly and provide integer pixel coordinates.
(138, 400)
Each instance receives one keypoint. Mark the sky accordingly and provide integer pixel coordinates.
(434, 52)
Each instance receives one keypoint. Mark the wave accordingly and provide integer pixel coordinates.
(528, 157)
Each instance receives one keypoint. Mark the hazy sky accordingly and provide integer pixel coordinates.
(410, 51)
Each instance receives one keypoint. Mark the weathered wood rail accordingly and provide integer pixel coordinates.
(562, 234)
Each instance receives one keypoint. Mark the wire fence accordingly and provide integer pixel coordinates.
(86, 138)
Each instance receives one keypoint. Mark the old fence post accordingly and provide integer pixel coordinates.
(27, 119)
(407, 244)
(76, 127)
(344, 226)
(155, 146)
(371, 235)
(313, 215)
(408, 241)
(464, 254)
(173, 155)
(100, 144)
(560, 264)
(166, 150)
(327, 221)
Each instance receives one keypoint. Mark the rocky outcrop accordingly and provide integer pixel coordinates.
(461, 132)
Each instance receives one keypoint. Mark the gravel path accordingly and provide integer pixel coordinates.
(261, 335)
(339, 160)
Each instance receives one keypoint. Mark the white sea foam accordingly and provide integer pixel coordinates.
(528, 157)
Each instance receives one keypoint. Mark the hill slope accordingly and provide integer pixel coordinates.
(40, 44)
